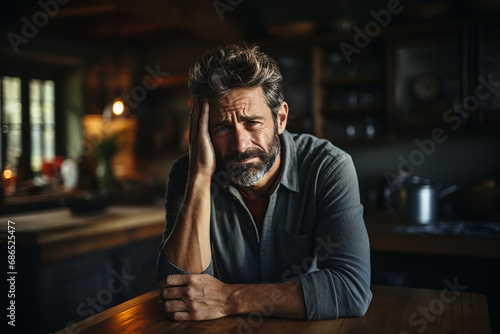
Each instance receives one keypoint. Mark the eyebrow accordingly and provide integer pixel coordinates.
(240, 119)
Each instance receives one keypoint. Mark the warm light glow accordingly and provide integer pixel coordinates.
(7, 174)
(118, 107)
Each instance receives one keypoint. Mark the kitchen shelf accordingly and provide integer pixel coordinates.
(354, 81)
(348, 93)
(352, 110)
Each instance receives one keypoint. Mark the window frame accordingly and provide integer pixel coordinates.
(27, 73)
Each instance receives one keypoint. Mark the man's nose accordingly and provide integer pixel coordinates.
(240, 140)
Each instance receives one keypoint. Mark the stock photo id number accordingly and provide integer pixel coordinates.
(11, 272)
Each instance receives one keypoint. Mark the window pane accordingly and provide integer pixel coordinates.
(12, 118)
(35, 102)
(36, 125)
(42, 123)
(48, 102)
(49, 119)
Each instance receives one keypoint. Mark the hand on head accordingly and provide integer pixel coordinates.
(201, 151)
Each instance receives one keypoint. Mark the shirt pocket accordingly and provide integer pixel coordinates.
(296, 256)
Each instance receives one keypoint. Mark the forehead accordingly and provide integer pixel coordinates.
(239, 101)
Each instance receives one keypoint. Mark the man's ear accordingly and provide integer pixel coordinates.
(282, 117)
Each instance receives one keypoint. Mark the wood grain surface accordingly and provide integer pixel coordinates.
(393, 310)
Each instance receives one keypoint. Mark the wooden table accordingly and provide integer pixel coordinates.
(393, 310)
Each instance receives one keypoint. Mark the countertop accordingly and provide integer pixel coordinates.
(58, 234)
(455, 238)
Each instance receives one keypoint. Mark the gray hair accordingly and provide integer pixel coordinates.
(236, 66)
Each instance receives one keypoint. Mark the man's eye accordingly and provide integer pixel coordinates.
(252, 123)
(222, 128)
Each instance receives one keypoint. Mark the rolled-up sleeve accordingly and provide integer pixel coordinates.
(341, 285)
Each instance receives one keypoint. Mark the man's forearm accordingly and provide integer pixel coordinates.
(280, 300)
(188, 246)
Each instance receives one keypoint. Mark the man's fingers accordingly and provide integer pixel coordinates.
(179, 316)
(172, 280)
(204, 117)
(175, 280)
(175, 310)
(193, 118)
(197, 111)
(171, 293)
(199, 119)
(174, 305)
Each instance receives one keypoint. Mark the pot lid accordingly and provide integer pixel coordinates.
(421, 182)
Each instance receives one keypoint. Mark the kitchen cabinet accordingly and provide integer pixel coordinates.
(445, 77)
(426, 79)
(349, 92)
(296, 66)
(409, 77)
(489, 68)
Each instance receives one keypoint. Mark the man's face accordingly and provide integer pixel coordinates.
(244, 134)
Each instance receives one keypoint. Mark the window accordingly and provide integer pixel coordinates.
(27, 118)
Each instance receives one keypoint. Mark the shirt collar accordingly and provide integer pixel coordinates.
(289, 170)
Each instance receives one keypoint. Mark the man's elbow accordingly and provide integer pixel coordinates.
(360, 304)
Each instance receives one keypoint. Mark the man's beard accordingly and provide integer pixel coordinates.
(246, 175)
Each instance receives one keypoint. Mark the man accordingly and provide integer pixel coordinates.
(259, 220)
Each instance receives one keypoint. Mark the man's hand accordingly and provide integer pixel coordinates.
(194, 297)
(203, 297)
(201, 151)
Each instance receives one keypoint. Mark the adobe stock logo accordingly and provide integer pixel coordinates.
(222, 6)
(436, 307)
(149, 82)
(40, 19)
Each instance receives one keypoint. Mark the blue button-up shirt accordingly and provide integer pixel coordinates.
(313, 230)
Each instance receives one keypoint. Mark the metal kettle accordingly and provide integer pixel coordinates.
(418, 200)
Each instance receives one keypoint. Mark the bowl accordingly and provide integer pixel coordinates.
(91, 203)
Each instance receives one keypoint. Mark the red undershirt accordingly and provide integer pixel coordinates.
(258, 208)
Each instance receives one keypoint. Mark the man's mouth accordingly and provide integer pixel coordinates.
(247, 160)
(244, 158)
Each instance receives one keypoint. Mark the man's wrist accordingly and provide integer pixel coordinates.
(236, 300)
(199, 182)
(200, 171)
(199, 178)
(280, 299)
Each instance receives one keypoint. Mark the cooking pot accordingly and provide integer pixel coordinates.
(419, 200)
